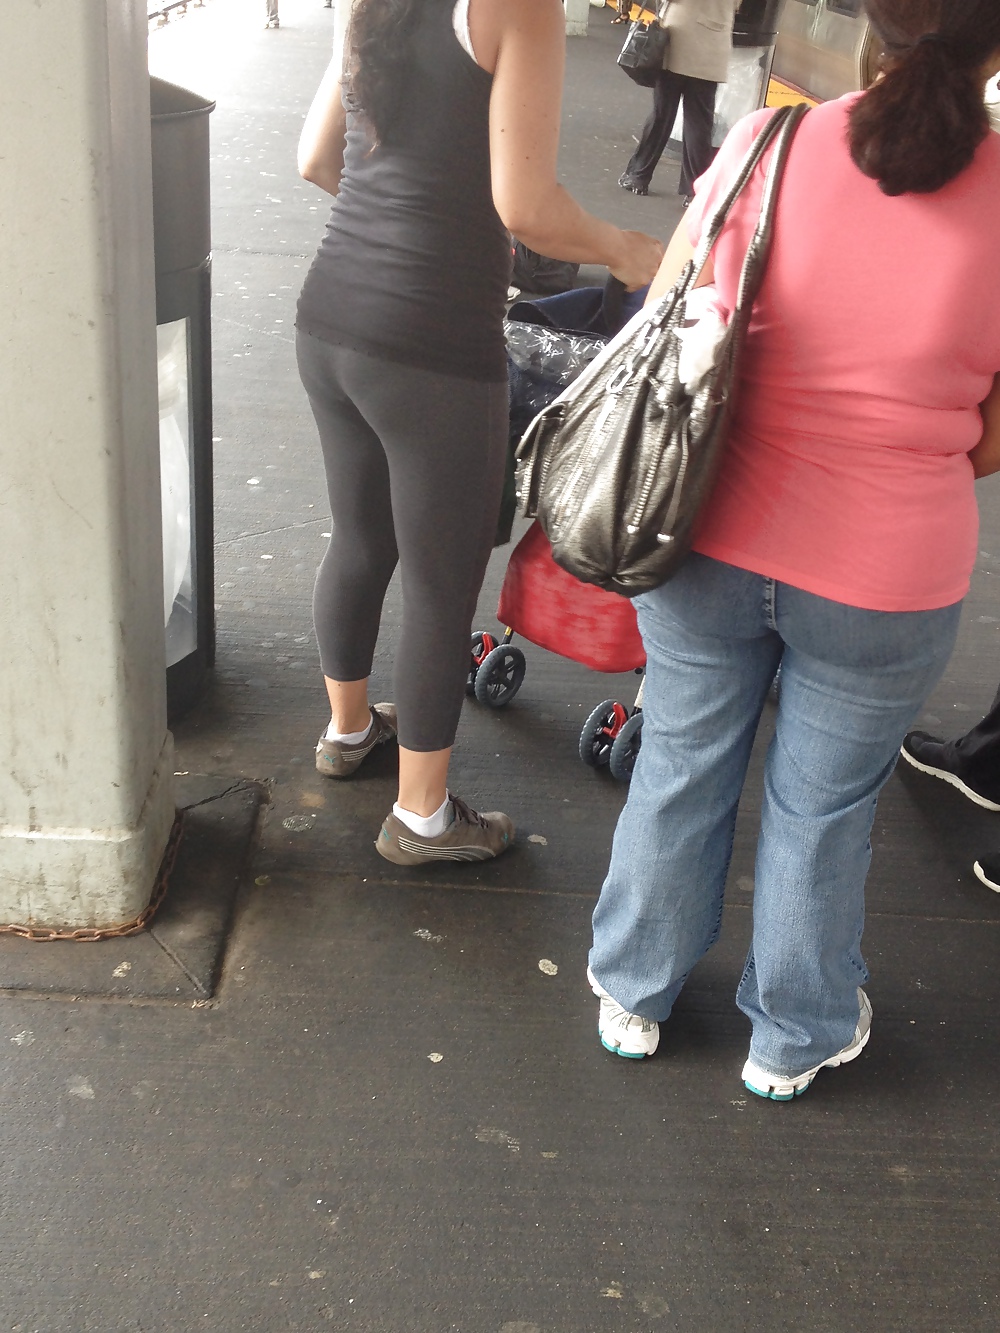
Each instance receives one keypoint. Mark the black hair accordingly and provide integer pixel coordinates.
(920, 124)
(378, 45)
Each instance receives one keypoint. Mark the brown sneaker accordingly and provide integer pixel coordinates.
(334, 759)
(469, 837)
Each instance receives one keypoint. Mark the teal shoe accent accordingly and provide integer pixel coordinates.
(627, 1055)
(773, 1096)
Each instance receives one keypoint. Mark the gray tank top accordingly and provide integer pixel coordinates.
(415, 262)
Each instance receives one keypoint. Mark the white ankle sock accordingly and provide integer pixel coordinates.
(347, 737)
(430, 827)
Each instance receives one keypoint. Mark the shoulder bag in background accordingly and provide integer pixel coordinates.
(617, 468)
(645, 50)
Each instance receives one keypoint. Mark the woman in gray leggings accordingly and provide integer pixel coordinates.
(439, 140)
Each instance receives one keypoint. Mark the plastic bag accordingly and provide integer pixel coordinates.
(541, 362)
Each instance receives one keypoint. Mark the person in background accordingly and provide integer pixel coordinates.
(272, 14)
(971, 764)
(697, 61)
(439, 140)
(838, 541)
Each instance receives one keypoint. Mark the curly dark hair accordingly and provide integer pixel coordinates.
(378, 42)
(920, 124)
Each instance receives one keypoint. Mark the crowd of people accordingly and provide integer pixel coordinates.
(837, 544)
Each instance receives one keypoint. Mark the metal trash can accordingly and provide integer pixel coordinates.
(183, 264)
(755, 31)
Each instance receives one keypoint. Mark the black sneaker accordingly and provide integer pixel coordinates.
(988, 870)
(628, 182)
(927, 754)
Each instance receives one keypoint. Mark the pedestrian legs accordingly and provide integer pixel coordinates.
(669, 91)
(699, 116)
(976, 755)
(851, 682)
(710, 658)
(656, 131)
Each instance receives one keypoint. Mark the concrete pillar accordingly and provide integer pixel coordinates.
(85, 756)
(577, 17)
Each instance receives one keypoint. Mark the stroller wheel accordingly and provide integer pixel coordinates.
(500, 676)
(599, 732)
(482, 645)
(625, 749)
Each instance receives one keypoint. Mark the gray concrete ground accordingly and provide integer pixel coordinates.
(391, 1119)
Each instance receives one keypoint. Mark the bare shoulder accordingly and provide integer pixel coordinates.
(537, 15)
(493, 23)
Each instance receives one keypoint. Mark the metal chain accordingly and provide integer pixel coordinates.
(90, 935)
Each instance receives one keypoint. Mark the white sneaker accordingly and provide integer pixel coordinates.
(781, 1089)
(623, 1033)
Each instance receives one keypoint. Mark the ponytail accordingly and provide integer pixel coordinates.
(378, 47)
(919, 125)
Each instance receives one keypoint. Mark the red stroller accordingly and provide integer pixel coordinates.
(539, 600)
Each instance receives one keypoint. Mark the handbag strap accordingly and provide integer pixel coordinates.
(755, 261)
(784, 122)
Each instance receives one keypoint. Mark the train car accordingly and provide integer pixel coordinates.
(825, 48)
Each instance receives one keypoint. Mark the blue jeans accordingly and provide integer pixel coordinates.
(851, 683)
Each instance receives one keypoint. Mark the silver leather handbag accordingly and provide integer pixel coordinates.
(618, 466)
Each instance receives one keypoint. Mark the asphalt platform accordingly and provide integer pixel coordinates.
(381, 1106)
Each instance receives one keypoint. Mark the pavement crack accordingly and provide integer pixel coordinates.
(460, 887)
(261, 254)
(254, 329)
(179, 962)
(267, 532)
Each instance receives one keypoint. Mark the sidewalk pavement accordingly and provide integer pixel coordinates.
(395, 1116)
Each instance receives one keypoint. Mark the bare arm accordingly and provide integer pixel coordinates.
(321, 144)
(679, 251)
(985, 457)
(525, 108)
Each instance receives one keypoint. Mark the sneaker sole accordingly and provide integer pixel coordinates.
(617, 1050)
(983, 878)
(415, 854)
(834, 1062)
(952, 779)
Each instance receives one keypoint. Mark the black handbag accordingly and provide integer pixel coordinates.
(617, 468)
(644, 51)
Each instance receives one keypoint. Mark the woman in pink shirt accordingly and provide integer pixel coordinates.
(837, 544)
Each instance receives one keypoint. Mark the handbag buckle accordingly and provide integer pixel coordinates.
(620, 378)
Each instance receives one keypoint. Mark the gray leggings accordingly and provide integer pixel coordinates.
(414, 467)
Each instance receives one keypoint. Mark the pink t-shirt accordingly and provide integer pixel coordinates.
(875, 336)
